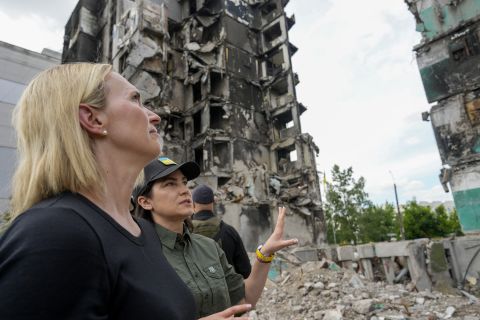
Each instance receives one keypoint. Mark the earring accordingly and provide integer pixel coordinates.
(104, 132)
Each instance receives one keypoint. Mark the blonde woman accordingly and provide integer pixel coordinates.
(73, 251)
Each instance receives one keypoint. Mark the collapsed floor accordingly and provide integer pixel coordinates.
(323, 290)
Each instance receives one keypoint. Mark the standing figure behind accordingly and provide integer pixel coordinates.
(206, 223)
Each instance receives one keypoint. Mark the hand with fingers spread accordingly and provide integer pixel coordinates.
(256, 281)
(230, 313)
(276, 242)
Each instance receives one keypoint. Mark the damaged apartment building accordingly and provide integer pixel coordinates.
(448, 59)
(219, 74)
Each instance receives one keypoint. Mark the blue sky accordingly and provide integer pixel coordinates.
(358, 78)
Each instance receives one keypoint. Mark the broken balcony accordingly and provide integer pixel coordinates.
(218, 118)
(292, 49)
(283, 126)
(274, 35)
(290, 21)
(269, 11)
(281, 86)
(275, 63)
(173, 126)
(222, 155)
(281, 92)
(442, 61)
(218, 84)
(80, 40)
(286, 159)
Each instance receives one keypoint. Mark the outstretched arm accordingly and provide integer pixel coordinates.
(256, 281)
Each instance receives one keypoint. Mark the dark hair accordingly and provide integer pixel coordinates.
(139, 211)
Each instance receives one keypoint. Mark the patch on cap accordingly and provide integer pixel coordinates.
(166, 161)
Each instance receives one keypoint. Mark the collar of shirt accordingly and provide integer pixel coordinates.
(203, 215)
(169, 238)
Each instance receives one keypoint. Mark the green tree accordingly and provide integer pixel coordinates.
(455, 226)
(377, 222)
(443, 221)
(418, 221)
(423, 222)
(346, 200)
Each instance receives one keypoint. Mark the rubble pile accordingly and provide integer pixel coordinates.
(323, 290)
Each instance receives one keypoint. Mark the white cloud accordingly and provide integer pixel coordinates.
(31, 31)
(412, 141)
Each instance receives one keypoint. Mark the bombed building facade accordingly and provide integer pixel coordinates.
(219, 74)
(448, 59)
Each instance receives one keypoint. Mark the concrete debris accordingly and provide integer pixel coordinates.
(442, 264)
(356, 282)
(330, 315)
(363, 306)
(472, 299)
(312, 290)
(236, 192)
(449, 312)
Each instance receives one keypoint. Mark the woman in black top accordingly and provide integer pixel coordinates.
(73, 251)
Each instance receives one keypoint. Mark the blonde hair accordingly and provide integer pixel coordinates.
(55, 153)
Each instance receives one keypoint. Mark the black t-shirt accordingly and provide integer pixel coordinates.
(65, 258)
(231, 244)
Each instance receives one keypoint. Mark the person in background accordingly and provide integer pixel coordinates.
(73, 251)
(206, 223)
(165, 199)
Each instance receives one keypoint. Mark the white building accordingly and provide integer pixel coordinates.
(17, 67)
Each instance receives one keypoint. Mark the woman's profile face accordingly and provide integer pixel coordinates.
(171, 199)
(130, 126)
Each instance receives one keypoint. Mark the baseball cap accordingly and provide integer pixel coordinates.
(202, 194)
(162, 167)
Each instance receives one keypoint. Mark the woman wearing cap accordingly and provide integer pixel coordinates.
(72, 250)
(165, 200)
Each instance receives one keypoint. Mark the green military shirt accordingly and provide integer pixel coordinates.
(202, 265)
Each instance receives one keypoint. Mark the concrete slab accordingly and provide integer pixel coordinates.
(367, 268)
(366, 251)
(388, 268)
(346, 253)
(306, 254)
(439, 269)
(392, 249)
(453, 261)
(417, 266)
